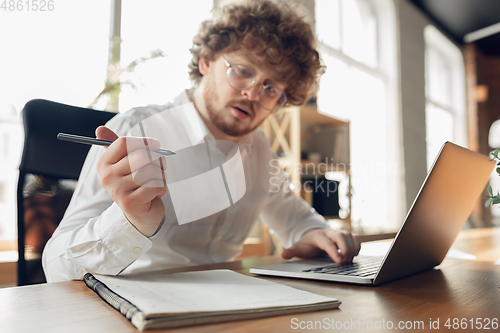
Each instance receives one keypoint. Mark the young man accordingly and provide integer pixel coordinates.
(250, 60)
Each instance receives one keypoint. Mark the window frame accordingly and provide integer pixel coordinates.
(386, 70)
(437, 42)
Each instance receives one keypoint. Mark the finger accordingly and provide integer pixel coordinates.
(137, 160)
(141, 157)
(104, 133)
(349, 251)
(326, 244)
(288, 253)
(149, 173)
(119, 187)
(123, 146)
(134, 143)
(163, 166)
(345, 244)
(131, 143)
(146, 194)
(141, 198)
(357, 244)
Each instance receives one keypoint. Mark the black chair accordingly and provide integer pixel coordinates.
(48, 173)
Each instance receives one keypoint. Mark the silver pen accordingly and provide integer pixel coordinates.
(93, 141)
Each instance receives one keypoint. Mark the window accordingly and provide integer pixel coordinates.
(62, 55)
(357, 43)
(167, 26)
(445, 111)
(59, 55)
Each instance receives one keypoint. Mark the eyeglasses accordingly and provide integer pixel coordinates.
(241, 77)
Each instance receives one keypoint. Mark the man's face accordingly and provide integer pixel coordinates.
(233, 112)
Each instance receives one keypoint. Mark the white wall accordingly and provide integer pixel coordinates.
(411, 23)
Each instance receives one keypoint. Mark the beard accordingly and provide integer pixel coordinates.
(223, 120)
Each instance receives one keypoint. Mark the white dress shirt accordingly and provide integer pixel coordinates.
(94, 235)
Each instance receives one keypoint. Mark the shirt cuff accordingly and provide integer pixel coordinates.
(125, 242)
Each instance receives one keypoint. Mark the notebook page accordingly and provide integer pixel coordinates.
(205, 291)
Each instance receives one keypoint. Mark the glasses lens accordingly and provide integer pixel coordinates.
(240, 77)
(272, 98)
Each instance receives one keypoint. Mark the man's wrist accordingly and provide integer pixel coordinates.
(145, 229)
(311, 230)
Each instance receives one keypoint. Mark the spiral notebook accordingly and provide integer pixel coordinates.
(202, 297)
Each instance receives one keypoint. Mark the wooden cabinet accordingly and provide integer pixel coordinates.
(313, 149)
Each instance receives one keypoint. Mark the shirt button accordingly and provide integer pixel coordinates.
(137, 250)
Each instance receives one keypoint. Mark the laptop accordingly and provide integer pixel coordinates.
(456, 179)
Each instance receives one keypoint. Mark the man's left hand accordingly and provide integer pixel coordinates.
(341, 246)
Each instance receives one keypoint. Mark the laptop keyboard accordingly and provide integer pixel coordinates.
(362, 267)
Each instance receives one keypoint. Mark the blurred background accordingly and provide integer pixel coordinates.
(405, 75)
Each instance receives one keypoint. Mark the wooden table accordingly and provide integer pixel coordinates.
(461, 289)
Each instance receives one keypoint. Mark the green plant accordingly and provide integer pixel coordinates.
(114, 81)
(493, 198)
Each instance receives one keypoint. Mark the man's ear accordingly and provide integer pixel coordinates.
(203, 65)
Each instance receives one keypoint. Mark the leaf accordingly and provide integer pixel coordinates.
(495, 154)
(495, 200)
(490, 190)
(488, 202)
(498, 171)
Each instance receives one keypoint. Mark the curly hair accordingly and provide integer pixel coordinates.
(273, 30)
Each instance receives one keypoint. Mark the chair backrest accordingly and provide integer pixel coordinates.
(48, 173)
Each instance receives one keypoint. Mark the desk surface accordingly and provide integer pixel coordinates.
(459, 289)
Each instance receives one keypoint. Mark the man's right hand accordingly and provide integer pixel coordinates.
(134, 177)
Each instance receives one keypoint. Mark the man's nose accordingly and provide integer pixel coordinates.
(253, 92)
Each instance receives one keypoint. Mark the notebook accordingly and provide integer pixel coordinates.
(456, 179)
(191, 298)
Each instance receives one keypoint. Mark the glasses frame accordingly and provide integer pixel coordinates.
(263, 86)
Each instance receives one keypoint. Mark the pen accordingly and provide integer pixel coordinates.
(92, 141)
